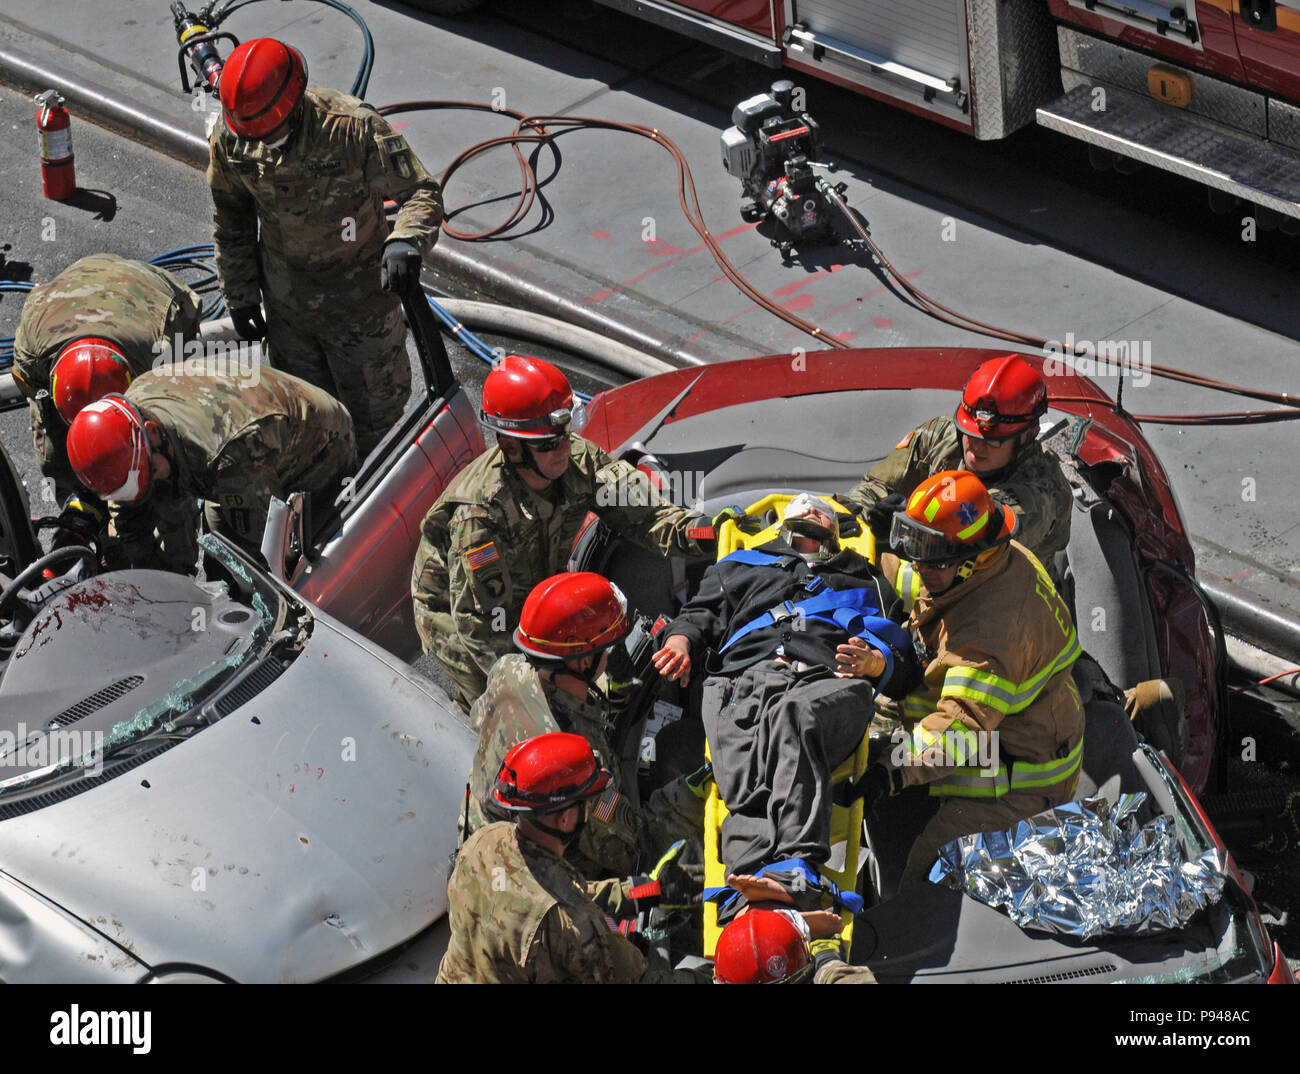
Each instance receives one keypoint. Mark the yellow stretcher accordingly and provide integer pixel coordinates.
(846, 821)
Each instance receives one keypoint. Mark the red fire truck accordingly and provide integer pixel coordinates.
(1207, 89)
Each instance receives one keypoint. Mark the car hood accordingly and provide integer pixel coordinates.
(307, 831)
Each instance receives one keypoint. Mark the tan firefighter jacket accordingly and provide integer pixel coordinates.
(998, 711)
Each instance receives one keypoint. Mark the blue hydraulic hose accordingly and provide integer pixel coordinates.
(475, 345)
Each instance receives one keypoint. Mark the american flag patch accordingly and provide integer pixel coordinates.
(482, 555)
(604, 811)
(905, 441)
(611, 924)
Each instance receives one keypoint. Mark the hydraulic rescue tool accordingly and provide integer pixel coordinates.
(198, 46)
(772, 150)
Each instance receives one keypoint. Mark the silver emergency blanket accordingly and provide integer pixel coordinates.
(1086, 869)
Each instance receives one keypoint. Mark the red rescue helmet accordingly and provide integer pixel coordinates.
(951, 518)
(86, 370)
(762, 947)
(571, 615)
(109, 450)
(261, 84)
(526, 397)
(548, 772)
(1003, 397)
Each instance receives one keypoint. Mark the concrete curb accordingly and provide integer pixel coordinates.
(100, 93)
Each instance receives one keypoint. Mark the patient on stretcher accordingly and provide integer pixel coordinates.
(795, 638)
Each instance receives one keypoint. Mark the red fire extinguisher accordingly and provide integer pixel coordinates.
(58, 176)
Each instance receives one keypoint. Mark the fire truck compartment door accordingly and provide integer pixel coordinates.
(1268, 38)
(1173, 21)
(911, 51)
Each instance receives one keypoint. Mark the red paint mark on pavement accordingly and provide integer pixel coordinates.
(846, 336)
(791, 288)
(398, 124)
(603, 236)
(662, 249)
(601, 295)
(799, 302)
(882, 322)
(1241, 575)
(870, 294)
(734, 316)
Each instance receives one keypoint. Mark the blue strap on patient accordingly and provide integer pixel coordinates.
(850, 900)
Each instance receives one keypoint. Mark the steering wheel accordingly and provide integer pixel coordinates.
(34, 570)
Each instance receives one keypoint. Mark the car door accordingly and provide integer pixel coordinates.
(360, 550)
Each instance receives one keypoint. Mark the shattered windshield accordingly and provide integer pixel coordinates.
(129, 660)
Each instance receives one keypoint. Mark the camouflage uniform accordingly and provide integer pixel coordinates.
(130, 303)
(518, 705)
(490, 539)
(837, 971)
(1034, 486)
(318, 201)
(235, 447)
(521, 915)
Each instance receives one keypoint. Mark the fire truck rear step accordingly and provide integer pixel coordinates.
(1175, 141)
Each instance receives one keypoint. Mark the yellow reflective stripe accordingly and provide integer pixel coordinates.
(1038, 566)
(1025, 775)
(931, 509)
(921, 740)
(965, 743)
(973, 528)
(957, 743)
(998, 693)
(916, 707)
(971, 783)
(980, 686)
(907, 584)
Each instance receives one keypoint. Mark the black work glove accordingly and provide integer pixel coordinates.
(248, 322)
(669, 884)
(830, 949)
(880, 518)
(746, 523)
(399, 266)
(81, 522)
